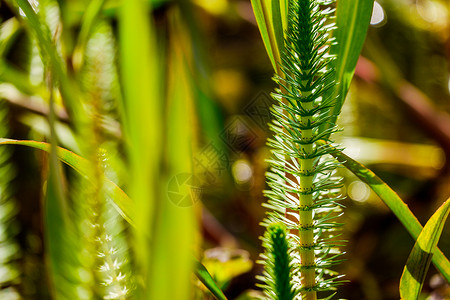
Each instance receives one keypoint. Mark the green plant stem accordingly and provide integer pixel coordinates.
(301, 180)
(306, 221)
(278, 265)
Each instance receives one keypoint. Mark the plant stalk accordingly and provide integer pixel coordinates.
(306, 218)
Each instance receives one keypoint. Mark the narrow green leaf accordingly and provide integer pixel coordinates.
(209, 113)
(121, 201)
(141, 71)
(264, 29)
(41, 32)
(352, 22)
(277, 24)
(175, 223)
(204, 276)
(271, 24)
(59, 230)
(58, 238)
(420, 258)
(395, 204)
(284, 6)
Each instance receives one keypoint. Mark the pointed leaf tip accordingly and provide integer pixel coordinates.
(419, 260)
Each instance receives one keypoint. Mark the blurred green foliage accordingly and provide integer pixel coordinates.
(189, 95)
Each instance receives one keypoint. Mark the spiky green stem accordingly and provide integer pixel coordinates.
(306, 233)
(301, 171)
(278, 264)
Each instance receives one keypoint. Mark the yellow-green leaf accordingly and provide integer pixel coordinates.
(120, 200)
(395, 204)
(263, 28)
(420, 258)
(352, 22)
(42, 34)
(204, 276)
(271, 17)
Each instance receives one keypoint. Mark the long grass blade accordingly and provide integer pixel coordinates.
(58, 238)
(175, 225)
(264, 29)
(204, 276)
(277, 25)
(48, 49)
(122, 202)
(352, 22)
(142, 101)
(59, 230)
(420, 258)
(395, 204)
(271, 17)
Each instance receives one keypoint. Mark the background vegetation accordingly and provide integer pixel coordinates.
(149, 106)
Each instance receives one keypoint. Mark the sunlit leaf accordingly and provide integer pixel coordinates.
(271, 17)
(352, 22)
(204, 276)
(209, 112)
(121, 201)
(420, 258)
(395, 204)
(58, 237)
(225, 264)
(142, 82)
(48, 49)
(263, 28)
(277, 25)
(175, 224)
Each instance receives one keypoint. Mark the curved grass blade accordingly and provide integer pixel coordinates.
(121, 201)
(175, 225)
(209, 113)
(61, 249)
(204, 276)
(352, 22)
(142, 114)
(277, 24)
(271, 17)
(395, 204)
(42, 33)
(420, 258)
(263, 28)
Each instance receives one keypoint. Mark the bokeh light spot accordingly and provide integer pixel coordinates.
(358, 191)
(378, 16)
(242, 171)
